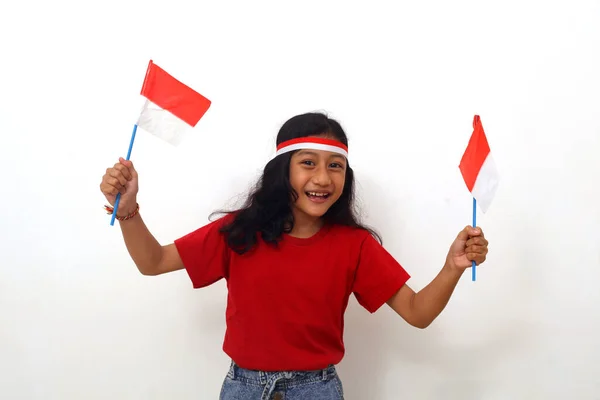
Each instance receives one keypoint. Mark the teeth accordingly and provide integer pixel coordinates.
(317, 194)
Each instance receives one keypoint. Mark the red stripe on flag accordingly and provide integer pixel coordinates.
(310, 139)
(170, 94)
(475, 154)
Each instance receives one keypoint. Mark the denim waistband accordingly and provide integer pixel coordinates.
(281, 379)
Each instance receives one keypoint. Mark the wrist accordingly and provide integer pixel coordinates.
(452, 269)
(124, 213)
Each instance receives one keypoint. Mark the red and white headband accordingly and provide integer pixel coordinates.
(314, 143)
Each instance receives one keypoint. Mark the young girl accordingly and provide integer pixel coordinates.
(291, 256)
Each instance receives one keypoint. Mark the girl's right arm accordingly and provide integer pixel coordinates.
(148, 255)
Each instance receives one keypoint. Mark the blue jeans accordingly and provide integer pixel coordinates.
(243, 384)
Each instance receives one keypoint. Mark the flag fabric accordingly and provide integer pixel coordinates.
(478, 168)
(171, 107)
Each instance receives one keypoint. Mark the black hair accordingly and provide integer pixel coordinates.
(268, 207)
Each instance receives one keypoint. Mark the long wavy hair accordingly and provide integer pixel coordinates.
(268, 207)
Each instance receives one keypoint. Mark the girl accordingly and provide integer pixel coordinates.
(292, 256)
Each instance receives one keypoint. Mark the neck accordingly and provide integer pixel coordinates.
(305, 226)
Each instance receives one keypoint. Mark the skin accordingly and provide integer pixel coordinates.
(422, 308)
(315, 171)
(310, 171)
(148, 255)
(321, 171)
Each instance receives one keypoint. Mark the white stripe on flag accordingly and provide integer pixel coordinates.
(162, 124)
(486, 183)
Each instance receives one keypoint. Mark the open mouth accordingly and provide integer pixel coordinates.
(317, 196)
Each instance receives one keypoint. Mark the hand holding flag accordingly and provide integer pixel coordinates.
(170, 109)
(470, 247)
(479, 173)
(121, 180)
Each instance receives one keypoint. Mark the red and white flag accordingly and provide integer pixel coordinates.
(171, 107)
(478, 168)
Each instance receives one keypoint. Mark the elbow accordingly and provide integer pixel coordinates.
(147, 270)
(416, 322)
(410, 313)
(421, 324)
(147, 273)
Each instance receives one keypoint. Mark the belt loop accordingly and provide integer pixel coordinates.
(324, 374)
(263, 377)
(232, 370)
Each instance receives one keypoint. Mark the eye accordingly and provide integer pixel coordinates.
(336, 165)
(308, 162)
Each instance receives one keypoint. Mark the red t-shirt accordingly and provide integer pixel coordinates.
(285, 305)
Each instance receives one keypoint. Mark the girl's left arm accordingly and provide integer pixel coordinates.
(422, 308)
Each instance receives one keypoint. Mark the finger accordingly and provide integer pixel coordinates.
(124, 170)
(129, 165)
(464, 234)
(477, 240)
(480, 232)
(475, 249)
(467, 232)
(478, 258)
(116, 183)
(113, 175)
(475, 231)
(108, 190)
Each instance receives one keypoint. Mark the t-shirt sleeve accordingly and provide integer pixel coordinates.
(205, 254)
(378, 275)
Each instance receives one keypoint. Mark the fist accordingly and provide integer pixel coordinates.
(121, 178)
(470, 245)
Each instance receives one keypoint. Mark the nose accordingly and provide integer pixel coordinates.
(321, 176)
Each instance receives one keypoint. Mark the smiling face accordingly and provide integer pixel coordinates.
(318, 178)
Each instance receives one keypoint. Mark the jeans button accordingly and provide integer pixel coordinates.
(277, 396)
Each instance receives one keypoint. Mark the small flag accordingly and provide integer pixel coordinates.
(479, 171)
(171, 107)
(478, 168)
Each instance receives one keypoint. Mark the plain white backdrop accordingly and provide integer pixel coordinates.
(78, 321)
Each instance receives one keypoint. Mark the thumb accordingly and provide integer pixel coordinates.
(128, 164)
(467, 232)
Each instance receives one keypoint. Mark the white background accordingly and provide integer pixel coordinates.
(77, 321)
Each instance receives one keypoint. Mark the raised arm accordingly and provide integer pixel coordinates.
(148, 255)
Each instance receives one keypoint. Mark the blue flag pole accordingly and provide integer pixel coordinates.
(473, 266)
(114, 214)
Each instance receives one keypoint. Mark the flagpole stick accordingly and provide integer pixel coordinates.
(473, 266)
(114, 214)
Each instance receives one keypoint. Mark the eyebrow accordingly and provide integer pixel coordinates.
(312, 153)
